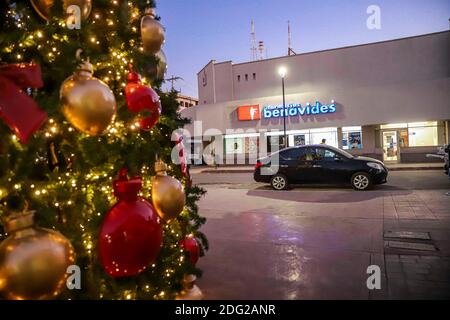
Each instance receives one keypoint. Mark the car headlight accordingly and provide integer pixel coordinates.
(375, 166)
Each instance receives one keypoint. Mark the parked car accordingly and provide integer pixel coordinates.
(319, 164)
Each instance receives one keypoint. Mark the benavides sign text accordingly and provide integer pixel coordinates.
(251, 113)
(295, 110)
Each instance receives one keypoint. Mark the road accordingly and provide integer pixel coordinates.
(398, 180)
(317, 242)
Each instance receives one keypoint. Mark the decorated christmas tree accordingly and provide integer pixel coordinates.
(92, 175)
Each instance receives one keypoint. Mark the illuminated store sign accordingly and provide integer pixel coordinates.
(249, 113)
(295, 110)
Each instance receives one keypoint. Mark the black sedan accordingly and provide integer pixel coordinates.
(321, 164)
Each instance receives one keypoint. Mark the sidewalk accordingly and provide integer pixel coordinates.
(317, 244)
(250, 168)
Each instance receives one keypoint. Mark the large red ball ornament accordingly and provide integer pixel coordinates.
(190, 245)
(142, 98)
(131, 235)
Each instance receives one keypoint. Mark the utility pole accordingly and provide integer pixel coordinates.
(172, 80)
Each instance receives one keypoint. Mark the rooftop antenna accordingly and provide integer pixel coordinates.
(261, 50)
(172, 79)
(253, 50)
(290, 50)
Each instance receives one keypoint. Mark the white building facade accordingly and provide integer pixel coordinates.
(389, 100)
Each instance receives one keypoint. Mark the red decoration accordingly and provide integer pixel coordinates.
(190, 245)
(181, 154)
(20, 112)
(131, 235)
(140, 98)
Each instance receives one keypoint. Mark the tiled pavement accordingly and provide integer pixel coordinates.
(317, 244)
(420, 274)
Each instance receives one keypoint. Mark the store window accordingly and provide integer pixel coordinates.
(234, 145)
(416, 134)
(423, 134)
(298, 138)
(351, 138)
(251, 145)
(403, 138)
(327, 134)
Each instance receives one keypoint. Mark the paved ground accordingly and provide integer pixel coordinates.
(317, 242)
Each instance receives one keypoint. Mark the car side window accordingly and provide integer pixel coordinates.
(322, 154)
(307, 155)
(293, 154)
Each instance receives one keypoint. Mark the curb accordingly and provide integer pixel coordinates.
(252, 170)
(416, 169)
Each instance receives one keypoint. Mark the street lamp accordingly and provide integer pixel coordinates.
(282, 72)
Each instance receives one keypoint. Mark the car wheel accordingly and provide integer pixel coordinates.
(279, 182)
(361, 181)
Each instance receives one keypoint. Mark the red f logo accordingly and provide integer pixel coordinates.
(249, 113)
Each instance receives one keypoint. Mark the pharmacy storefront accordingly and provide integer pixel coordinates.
(388, 100)
(240, 132)
(390, 142)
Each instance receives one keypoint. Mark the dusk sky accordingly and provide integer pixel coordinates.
(198, 31)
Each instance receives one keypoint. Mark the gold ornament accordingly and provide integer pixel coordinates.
(152, 32)
(43, 7)
(33, 261)
(88, 103)
(167, 194)
(190, 290)
(161, 67)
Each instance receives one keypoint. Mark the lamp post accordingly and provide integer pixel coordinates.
(282, 72)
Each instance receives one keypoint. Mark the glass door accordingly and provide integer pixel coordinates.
(390, 146)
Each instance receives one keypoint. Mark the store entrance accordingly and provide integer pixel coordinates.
(390, 146)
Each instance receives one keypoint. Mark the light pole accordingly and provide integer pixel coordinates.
(282, 72)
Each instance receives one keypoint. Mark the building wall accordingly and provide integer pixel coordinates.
(223, 81)
(401, 81)
(411, 60)
(206, 86)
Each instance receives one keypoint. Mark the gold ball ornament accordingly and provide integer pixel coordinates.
(168, 195)
(33, 261)
(161, 66)
(87, 102)
(152, 32)
(44, 7)
(190, 290)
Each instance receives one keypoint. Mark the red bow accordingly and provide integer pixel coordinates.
(126, 188)
(20, 112)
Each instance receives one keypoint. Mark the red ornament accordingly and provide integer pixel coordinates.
(190, 245)
(20, 112)
(131, 235)
(140, 98)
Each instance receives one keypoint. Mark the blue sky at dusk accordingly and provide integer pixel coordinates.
(198, 31)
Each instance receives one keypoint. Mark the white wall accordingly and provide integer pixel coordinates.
(411, 59)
